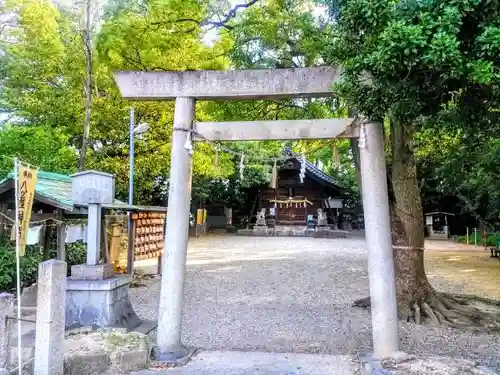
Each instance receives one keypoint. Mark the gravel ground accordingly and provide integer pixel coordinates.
(294, 295)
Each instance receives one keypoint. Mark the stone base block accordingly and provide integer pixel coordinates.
(97, 272)
(100, 303)
(260, 229)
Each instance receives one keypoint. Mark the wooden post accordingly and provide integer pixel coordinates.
(105, 240)
(61, 236)
(3, 210)
(131, 241)
(46, 243)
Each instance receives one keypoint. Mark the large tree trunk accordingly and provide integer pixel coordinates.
(417, 299)
(412, 286)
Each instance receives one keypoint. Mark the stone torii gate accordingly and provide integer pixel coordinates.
(187, 87)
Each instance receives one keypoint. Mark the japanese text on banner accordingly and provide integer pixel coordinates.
(27, 182)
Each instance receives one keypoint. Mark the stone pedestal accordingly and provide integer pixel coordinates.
(322, 223)
(95, 299)
(260, 226)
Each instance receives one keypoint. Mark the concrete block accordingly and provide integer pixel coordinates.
(51, 302)
(228, 84)
(6, 308)
(87, 364)
(132, 361)
(92, 272)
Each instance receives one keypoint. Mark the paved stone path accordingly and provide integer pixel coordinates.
(293, 295)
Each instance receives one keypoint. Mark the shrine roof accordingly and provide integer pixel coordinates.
(51, 188)
(313, 170)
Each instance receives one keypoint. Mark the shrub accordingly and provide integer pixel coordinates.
(76, 254)
(491, 239)
(28, 266)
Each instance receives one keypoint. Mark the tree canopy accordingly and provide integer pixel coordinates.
(431, 65)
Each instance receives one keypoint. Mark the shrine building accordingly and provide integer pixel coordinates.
(294, 200)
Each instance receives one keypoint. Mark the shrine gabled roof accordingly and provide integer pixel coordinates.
(51, 188)
(313, 170)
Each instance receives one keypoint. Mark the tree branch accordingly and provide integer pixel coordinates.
(228, 16)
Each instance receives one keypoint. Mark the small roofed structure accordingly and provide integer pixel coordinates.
(437, 225)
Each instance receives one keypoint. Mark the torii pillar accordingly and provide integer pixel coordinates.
(185, 88)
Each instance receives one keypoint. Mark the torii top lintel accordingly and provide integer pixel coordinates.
(228, 84)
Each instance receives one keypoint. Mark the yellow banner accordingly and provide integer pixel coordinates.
(27, 181)
(199, 216)
(204, 216)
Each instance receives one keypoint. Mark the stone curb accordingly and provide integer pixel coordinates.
(372, 366)
(101, 363)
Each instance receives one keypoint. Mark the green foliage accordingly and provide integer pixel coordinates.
(418, 55)
(44, 147)
(432, 64)
(42, 70)
(76, 254)
(28, 266)
(29, 263)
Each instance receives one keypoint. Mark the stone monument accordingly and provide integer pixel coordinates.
(322, 229)
(95, 295)
(322, 220)
(260, 224)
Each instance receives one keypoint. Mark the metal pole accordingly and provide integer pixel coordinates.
(131, 159)
(467, 229)
(475, 236)
(18, 268)
(130, 248)
(168, 339)
(379, 242)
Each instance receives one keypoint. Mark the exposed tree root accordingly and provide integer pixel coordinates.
(457, 311)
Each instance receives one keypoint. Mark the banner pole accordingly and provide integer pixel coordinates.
(18, 268)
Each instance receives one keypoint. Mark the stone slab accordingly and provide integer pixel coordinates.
(106, 351)
(99, 285)
(258, 363)
(87, 364)
(92, 272)
(132, 361)
(228, 84)
(276, 130)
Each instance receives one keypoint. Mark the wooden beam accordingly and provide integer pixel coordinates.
(275, 130)
(228, 84)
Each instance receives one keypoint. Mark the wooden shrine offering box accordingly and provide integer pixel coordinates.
(92, 187)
